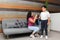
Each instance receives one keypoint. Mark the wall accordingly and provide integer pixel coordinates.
(20, 4)
(27, 5)
(55, 21)
(11, 14)
(14, 5)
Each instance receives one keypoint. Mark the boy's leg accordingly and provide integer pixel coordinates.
(46, 31)
(42, 28)
(46, 28)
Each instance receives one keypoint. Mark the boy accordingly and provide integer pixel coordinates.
(45, 21)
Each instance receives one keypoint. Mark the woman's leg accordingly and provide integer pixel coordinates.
(34, 28)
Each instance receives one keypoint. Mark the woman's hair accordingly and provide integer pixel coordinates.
(28, 15)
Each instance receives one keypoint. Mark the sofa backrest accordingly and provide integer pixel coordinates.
(14, 23)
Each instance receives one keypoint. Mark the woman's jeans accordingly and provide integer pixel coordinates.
(34, 28)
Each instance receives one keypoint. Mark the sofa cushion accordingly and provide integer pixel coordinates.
(16, 31)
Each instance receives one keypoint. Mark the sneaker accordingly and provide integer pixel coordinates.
(46, 37)
(32, 36)
(41, 36)
(37, 35)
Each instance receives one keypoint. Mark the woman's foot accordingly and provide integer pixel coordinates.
(32, 36)
(41, 36)
(37, 35)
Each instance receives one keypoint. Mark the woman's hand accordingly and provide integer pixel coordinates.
(35, 16)
(33, 20)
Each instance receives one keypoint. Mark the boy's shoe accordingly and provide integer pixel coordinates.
(46, 37)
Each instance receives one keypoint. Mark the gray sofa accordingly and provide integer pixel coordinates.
(14, 26)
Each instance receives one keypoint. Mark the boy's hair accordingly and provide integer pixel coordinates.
(44, 6)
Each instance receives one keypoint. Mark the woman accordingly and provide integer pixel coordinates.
(31, 21)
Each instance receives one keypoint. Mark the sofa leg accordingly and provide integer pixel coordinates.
(7, 37)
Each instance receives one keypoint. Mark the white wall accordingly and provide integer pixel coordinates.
(55, 21)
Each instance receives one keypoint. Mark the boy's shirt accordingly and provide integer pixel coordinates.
(44, 15)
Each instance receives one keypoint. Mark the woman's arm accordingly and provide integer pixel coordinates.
(33, 20)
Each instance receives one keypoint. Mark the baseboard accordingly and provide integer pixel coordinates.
(55, 31)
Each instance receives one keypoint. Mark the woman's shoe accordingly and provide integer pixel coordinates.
(37, 35)
(32, 36)
(41, 36)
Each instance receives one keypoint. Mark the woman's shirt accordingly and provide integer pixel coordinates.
(29, 22)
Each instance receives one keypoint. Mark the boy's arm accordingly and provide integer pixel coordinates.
(49, 20)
